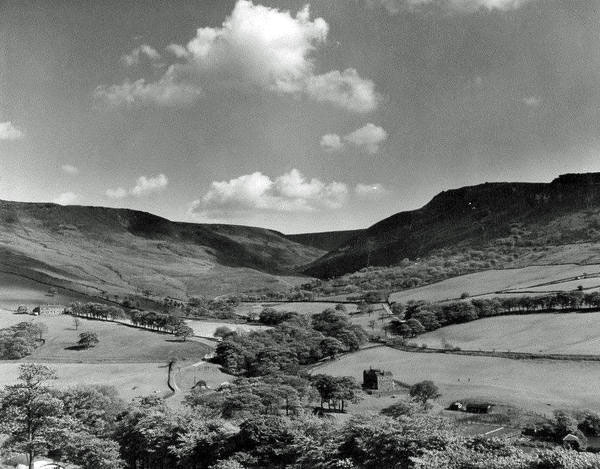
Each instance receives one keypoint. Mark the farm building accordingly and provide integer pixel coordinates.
(378, 380)
(572, 442)
(472, 407)
(48, 310)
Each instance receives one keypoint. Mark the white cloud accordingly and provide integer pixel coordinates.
(368, 137)
(369, 191)
(345, 89)
(149, 185)
(256, 47)
(144, 186)
(140, 52)
(331, 142)
(289, 192)
(66, 198)
(395, 6)
(532, 101)
(117, 193)
(70, 169)
(10, 132)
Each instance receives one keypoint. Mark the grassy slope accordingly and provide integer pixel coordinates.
(118, 343)
(549, 217)
(574, 333)
(121, 251)
(540, 385)
(491, 281)
(327, 241)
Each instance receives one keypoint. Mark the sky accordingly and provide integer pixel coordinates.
(296, 116)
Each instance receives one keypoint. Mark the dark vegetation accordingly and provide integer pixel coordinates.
(417, 317)
(255, 423)
(21, 340)
(290, 344)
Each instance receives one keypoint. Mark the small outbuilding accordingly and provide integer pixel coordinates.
(22, 309)
(572, 442)
(471, 407)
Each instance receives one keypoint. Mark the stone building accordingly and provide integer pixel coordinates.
(378, 380)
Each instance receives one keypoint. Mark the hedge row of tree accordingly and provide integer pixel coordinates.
(90, 427)
(297, 341)
(422, 316)
(147, 319)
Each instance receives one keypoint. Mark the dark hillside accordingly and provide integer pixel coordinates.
(473, 217)
(327, 241)
(126, 250)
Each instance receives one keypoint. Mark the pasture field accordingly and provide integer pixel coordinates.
(536, 385)
(130, 379)
(490, 281)
(568, 333)
(118, 343)
(208, 328)
(305, 308)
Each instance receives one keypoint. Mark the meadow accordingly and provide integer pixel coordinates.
(491, 281)
(565, 333)
(536, 385)
(304, 308)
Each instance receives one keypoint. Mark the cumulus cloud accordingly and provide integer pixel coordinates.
(66, 198)
(256, 47)
(369, 138)
(368, 191)
(118, 193)
(139, 53)
(532, 101)
(331, 142)
(70, 169)
(396, 6)
(144, 186)
(289, 192)
(10, 132)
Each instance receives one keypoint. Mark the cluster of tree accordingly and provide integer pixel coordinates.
(218, 308)
(581, 424)
(91, 428)
(417, 317)
(290, 344)
(276, 394)
(265, 294)
(21, 340)
(272, 317)
(97, 311)
(335, 391)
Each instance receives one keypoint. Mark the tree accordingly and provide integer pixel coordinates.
(415, 326)
(183, 331)
(424, 391)
(76, 323)
(88, 339)
(41, 329)
(330, 347)
(222, 332)
(29, 412)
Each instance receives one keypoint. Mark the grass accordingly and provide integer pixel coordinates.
(304, 308)
(208, 328)
(118, 343)
(490, 281)
(130, 379)
(534, 385)
(568, 333)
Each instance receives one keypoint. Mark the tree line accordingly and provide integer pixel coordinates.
(417, 317)
(20, 340)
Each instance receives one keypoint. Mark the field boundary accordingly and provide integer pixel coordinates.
(498, 354)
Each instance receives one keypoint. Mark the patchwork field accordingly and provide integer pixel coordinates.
(569, 333)
(537, 385)
(491, 281)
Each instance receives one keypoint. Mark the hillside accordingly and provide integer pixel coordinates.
(326, 240)
(121, 251)
(514, 216)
